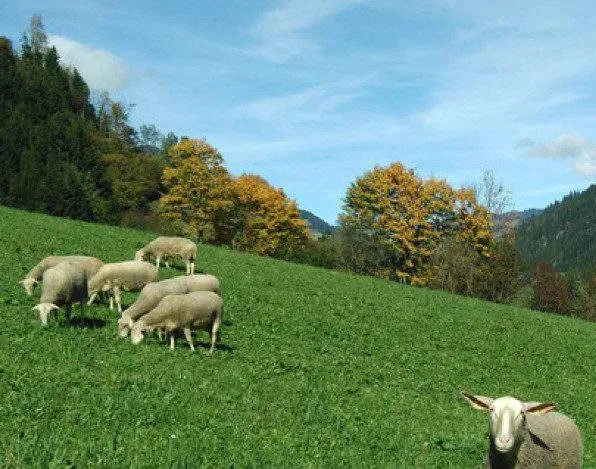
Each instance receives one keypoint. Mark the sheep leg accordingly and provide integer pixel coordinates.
(157, 261)
(172, 340)
(192, 268)
(118, 298)
(92, 299)
(167, 263)
(111, 301)
(188, 335)
(214, 336)
(160, 334)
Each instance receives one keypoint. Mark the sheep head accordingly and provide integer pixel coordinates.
(44, 310)
(140, 255)
(29, 285)
(125, 324)
(507, 421)
(136, 333)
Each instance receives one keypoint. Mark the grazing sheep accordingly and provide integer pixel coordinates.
(152, 293)
(167, 247)
(127, 275)
(528, 435)
(198, 310)
(63, 285)
(90, 265)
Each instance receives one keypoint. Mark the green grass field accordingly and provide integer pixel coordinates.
(314, 369)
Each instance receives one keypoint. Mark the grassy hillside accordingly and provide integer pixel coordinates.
(315, 368)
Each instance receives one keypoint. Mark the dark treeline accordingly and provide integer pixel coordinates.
(563, 234)
(60, 154)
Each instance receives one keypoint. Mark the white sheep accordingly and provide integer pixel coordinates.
(152, 293)
(90, 265)
(63, 285)
(198, 310)
(528, 435)
(167, 247)
(127, 275)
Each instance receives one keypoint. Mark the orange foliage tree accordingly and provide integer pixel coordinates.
(270, 222)
(409, 217)
(200, 193)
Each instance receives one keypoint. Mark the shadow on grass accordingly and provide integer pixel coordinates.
(85, 322)
(218, 347)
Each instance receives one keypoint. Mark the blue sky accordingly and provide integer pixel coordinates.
(311, 94)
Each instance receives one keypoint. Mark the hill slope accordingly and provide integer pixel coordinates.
(564, 233)
(508, 221)
(315, 368)
(315, 223)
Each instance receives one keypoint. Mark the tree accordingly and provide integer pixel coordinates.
(408, 217)
(35, 39)
(550, 289)
(270, 222)
(135, 181)
(200, 192)
(149, 138)
(492, 194)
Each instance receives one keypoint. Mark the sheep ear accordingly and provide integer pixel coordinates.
(35, 308)
(478, 402)
(539, 407)
(53, 306)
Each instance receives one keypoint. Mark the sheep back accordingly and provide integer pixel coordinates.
(171, 246)
(90, 265)
(64, 284)
(194, 310)
(551, 440)
(128, 275)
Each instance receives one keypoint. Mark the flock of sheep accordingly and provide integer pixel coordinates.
(179, 304)
(522, 435)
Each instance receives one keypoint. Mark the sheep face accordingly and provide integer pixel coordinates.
(124, 326)
(44, 311)
(140, 255)
(136, 334)
(29, 285)
(507, 418)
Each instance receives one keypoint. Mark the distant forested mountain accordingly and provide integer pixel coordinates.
(315, 223)
(509, 221)
(564, 233)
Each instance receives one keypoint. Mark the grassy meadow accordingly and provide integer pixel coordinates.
(314, 369)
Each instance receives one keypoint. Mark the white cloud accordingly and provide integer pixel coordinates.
(520, 60)
(101, 69)
(313, 104)
(573, 146)
(282, 30)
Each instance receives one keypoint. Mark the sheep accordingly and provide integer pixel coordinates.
(63, 285)
(165, 247)
(528, 435)
(152, 293)
(90, 265)
(127, 275)
(197, 310)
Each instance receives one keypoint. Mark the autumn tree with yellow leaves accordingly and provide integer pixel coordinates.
(247, 212)
(409, 217)
(200, 195)
(271, 223)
